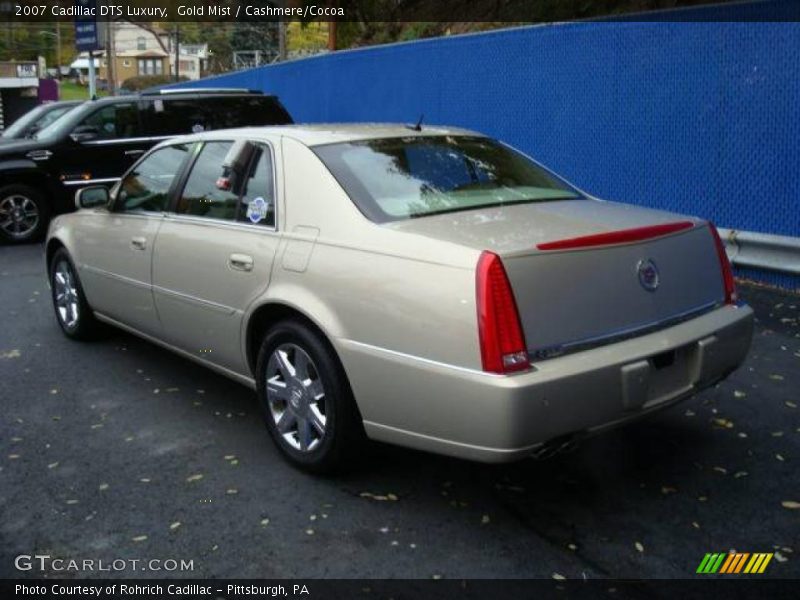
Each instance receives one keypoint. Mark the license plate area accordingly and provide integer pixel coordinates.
(657, 378)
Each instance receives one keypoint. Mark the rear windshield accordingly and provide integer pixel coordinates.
(402, 178)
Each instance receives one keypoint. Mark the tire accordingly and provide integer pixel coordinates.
(294, 407)
(24, 214)
(73, 312)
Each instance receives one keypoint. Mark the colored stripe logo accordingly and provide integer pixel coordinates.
(734, 563)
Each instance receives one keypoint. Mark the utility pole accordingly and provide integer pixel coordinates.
(92, 77)
(58, 49)
(111, 56)
(281, 40)
(177, 51)
(331, 35)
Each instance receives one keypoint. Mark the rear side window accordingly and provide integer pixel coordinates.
(250, 200)
(258, 201)
(146, 187)
(245, 111)
(174, 116)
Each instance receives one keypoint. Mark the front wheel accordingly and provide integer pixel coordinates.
(306, 400)
(24, 214)
(72, 310)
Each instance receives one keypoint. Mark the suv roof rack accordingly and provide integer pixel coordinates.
(178, 91)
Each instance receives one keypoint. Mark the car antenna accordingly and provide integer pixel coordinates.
(418, 126)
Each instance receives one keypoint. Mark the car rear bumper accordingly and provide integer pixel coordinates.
(492, 418)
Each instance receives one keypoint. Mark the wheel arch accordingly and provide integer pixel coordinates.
(269, 313)
(53, 245)
(27, 175)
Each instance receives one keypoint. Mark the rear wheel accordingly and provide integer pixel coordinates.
(24, 214)
(73, 313)
(306, 400)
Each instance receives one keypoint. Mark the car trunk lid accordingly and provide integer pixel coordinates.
(585, 272)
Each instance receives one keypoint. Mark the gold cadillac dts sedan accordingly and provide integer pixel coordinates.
(427, 287)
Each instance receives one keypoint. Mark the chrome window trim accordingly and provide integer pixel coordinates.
(75, 182)
(176, 216)
(159, 138)
(211, 222)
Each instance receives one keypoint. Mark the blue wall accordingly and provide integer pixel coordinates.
(696, 117)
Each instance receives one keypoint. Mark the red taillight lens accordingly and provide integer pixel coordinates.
(725, 265)
(503, 347)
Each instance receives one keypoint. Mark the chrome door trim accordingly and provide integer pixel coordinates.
(190, 299)
(115, 276)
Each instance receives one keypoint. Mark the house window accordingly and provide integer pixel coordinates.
(151, 66)
(126, 63)
(141, 43)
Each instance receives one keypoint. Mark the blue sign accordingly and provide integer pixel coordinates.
(87, 33)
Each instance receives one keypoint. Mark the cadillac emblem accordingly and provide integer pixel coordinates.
(648, 275)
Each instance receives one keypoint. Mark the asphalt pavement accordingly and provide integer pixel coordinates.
(119, 450)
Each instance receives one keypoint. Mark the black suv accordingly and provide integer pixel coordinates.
(96, 142)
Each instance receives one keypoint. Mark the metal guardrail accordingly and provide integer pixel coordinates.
(762, 250)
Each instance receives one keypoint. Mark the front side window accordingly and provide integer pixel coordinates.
(141, 43)
(417, 176)
(146, 187)
(112, 122)
(250, 198)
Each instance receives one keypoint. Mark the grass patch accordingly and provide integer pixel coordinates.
(73, 91)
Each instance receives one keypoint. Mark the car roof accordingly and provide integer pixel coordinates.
(330, 133)
(200, 93)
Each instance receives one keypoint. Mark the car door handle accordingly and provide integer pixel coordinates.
(241, 262)
(139, 243)
(133, 152)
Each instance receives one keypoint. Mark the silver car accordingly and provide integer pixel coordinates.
(429, 287)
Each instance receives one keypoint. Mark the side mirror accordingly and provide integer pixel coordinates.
(84, 133)
(91, 197)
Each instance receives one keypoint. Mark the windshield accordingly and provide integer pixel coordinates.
(53, 115)
(402, 178)
(37, 118)
(63, 126)
(18, 126)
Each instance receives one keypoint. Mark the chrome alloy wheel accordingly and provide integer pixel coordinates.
(18, 215)
(66, 294)
(296, 397)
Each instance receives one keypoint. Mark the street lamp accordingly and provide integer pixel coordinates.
(56, 35)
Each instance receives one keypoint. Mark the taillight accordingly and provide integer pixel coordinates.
(725, 265)
(502, 343)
